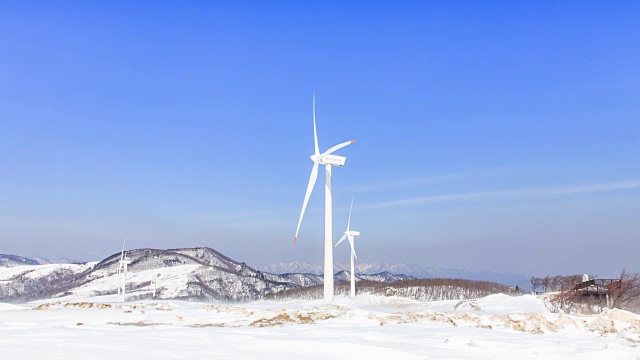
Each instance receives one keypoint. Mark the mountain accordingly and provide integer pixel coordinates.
(190, 273)
(199, 273)
(297, 267)
(383, 276)
(420, 272)
(7, 260)
(55, 260)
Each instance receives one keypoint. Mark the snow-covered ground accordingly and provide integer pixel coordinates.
(376, 327)
(36, 271)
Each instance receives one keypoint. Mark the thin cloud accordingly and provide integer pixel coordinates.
(425, 181)
(399, 184)
(508, 194)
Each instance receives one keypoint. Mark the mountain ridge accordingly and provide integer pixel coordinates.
(416, 271)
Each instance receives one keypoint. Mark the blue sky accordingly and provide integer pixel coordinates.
(490, 135)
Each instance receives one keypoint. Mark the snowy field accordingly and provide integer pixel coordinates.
(495, 327)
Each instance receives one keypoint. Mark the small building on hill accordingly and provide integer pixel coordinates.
(600, 289)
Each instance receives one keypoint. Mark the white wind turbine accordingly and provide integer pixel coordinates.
(120, 266)
(350, 234)
(327, 159)
(122, 272)
(125, 262)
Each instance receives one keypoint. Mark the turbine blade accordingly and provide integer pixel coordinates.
(338, 147)
(315, 133)
(351, 208)
(341, 239)
(122, 254)
(312, 182)
(353, 249)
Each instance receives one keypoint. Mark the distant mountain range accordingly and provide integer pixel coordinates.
(7, 260)
(420, 272)
(56, 260)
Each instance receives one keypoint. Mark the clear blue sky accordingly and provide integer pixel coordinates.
(496, 136)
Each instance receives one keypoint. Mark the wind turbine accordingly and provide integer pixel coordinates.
(328, 160)
(120, 266)
(125, 262)
(350, 234)
(122, 271)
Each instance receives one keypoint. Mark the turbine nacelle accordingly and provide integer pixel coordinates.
(352, 233)
(335, 160)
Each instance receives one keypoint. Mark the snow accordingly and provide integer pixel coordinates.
(378, 327)
(36, 271)
(172, 279)
(501, 304)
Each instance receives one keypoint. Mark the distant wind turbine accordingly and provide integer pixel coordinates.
(329, 160)
(120, 266)
(350, 234)
(122, 271)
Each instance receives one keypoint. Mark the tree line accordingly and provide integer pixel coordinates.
(554, 283)
(417, 289)
(621, 293)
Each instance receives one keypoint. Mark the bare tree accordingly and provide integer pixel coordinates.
(625, 293)
(566, 299)
(545, 283)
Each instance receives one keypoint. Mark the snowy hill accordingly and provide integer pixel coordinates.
(190, 273)
(199, 273)
(420, 272)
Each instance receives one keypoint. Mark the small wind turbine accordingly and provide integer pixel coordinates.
(327, 159)
(122, 271)
(350, 234)
(125, 262)
(120, 266)
(155, 284)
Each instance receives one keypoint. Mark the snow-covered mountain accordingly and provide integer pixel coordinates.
(55, 260)
(191, 273)
(384, 276)
(420, 272)
(198, 273)
(7, 260)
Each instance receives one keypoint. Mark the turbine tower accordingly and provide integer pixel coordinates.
(124, 263)
(328, 160)
(350, 234)
(120, 266)
(122, 271)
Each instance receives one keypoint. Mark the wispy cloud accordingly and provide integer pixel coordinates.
(399, 183)
(432, 180)
(508, 194)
